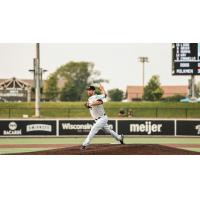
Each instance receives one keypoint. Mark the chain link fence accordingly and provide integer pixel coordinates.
(111, 112)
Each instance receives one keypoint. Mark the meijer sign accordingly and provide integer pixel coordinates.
(146, 127)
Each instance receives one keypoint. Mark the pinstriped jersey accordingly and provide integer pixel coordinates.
(96, 111)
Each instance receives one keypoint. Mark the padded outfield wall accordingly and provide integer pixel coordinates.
(70, 127)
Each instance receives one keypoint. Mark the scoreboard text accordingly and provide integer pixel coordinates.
(185, 59)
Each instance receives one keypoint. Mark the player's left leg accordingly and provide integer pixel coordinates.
(118, 137)
(95, 128)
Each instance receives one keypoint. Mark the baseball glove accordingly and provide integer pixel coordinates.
(87, 105)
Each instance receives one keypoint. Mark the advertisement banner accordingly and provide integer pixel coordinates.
(27, 127)
(146, 127)
(80, 127)
(188, 127)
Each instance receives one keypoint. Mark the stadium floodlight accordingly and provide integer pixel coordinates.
(38, 79)
(143, 60)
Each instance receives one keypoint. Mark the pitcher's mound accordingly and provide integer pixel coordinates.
(113, 149)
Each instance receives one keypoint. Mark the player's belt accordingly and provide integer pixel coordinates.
(100, 117)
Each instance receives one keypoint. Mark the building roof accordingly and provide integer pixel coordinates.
(169, 90)
(175, 89)
(166, 88)
(26, 81)
(135, 88)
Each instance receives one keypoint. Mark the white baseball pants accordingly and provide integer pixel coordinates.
(101, 124)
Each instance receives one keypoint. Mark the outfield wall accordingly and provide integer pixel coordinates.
(134, 127)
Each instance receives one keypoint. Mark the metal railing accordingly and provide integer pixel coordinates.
(69, 112)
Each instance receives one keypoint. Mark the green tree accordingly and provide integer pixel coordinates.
(76, 76)
(69, 93)
(116, 94)
(51, 91)
(153, 90)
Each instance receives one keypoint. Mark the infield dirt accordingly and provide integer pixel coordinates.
(114, 149)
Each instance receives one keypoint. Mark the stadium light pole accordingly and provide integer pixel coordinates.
(37, 81)
(143, 60)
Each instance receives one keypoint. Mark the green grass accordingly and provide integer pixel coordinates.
(77, 109)
(20, 150)
(75, 140)
(100, 139)
(192, 149)
(96, 140)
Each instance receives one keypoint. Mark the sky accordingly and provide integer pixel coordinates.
(117, 62)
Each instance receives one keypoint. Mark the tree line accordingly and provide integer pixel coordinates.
(69, 82)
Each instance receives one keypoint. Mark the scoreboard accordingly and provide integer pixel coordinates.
(185, 58)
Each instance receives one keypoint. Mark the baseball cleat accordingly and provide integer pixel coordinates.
(83, 147)
(122, 139)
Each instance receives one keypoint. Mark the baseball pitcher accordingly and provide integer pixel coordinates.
(95, 105)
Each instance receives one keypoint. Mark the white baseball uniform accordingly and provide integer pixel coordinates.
(101, 120)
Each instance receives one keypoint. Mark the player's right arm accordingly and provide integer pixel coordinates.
(102, 89)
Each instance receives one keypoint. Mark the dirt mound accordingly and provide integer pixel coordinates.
(112, 149)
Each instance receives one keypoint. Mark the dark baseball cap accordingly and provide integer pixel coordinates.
(90, 87)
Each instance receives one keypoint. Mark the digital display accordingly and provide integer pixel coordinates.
(186, 58)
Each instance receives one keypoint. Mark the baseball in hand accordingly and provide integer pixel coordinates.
(101, 87)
